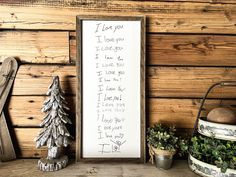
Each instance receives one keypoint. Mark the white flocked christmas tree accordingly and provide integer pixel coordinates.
(54, 133)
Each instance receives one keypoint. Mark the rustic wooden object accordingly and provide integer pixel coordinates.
(167, 17)
(54, 133)
(7, 149)
(27, 167)
(7, 75)
(79, 88)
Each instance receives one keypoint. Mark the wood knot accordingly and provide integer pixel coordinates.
(228, 15)
(203, 27)
(157, 23)
(93, 170)
(36, 154)
(33, 75)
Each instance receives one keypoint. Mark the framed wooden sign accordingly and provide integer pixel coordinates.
(111, 88)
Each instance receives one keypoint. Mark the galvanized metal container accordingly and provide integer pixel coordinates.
(163, 161)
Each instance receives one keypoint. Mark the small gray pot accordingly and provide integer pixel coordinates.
(163, 161)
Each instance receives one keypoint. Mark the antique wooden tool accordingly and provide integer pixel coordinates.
(8, 72)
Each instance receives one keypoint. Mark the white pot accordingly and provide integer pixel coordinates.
(218, 130)
(208, 170)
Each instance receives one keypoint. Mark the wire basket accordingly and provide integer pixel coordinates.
(209, 129)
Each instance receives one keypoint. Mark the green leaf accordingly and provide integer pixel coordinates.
(214, 151)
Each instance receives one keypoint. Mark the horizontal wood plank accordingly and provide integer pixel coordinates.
(35, 79)
(163, 81)
(27, 146)
(78, 3)
(20, 116)
(188, 82)
(197, 50)
(176, 17)
(35, 46)
(28, 167)
(179, 112)
(182, 113)
(53, 47)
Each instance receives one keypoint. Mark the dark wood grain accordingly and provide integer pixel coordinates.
(165, 17)
(179, 49)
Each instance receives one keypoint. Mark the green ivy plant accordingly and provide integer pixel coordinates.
(165, 138)
(217, 152)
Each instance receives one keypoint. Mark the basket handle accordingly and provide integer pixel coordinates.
(221, 84)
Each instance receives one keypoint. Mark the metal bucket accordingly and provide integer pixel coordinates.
(163, 161)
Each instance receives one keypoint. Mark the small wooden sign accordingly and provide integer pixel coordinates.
(111, 88)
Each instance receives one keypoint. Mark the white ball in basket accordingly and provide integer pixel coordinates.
(222, 115)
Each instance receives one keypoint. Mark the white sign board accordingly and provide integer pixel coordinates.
(111, 58)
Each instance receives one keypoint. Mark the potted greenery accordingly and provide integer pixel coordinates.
(163, 144)
(212, 157)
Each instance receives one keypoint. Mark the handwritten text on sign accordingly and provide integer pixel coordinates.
(111, 88)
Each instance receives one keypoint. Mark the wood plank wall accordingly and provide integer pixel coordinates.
(191, 44)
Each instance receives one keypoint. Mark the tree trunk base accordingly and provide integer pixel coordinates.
(45, 164)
